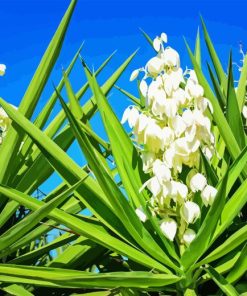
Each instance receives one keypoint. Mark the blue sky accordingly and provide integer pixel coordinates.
(27, 27)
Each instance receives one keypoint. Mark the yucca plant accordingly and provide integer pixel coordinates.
(127, 245)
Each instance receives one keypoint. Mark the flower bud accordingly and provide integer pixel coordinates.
(155, 66)
(189, 236)
(190, 211)
(208, 195)
(198, 182)
(134, 74)
(169, 228)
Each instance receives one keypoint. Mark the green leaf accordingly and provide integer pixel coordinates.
(239, 268)
(13, 140)
(235, 240)
(86, 229)
(198, 48)
(241, 89)
(233, 114)
(56, 277)
(215, 59)
(149, 39)
(26, 224)
(16, 290)
(221, 282)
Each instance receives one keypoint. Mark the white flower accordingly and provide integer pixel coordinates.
(198, 182)
(141, 215)
(193, 89)
(161, 171)
(157, 43)
(172, 80)
(169, 228)
(171, 58)
(178, 125)
(155, 66)
(147, 159)
(153, 185)
(143, 87)
(131, 115)
(171, 107)
(208, 195)
(189, 236)
(2, 69)
(163, 37)
(134, 74)
(244, 112)
(190, 211)
(153, 137)
(167, 136)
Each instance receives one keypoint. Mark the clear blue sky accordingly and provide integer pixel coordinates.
(27, 26)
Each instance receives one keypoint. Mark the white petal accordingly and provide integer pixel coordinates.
(189, 236)
(2, 69)
(163, 36)
(143, 87)
(134, 74)
(169, 228)
(155, 66)
(208, 195)
(140, 213)
(125, 115)
(244, 112)
(198, 182)
(154, 186)
(190, 211)
(161, 171)
(171, 57)
(157, 43)
(133, 117)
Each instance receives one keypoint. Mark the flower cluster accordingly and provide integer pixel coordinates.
(170, 131)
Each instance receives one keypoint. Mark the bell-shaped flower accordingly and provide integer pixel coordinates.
(148, 159)
(161, 171)
(141, 215)
(131, 115)
(171, 58)
(193, 90)
(171, 107)
(172, 80)
(153, 137)
(178, 190)
(244, 112)
(143, 88)
(198, 182)
(188, 236)
(134, 74)
(159, 103)
(154, 66)
(2, 69)
(153, 185)
(157, 43)
(169, 228)
(163, 37)
(178, 125)
(167, 136)
(190, 211)
(208, 195)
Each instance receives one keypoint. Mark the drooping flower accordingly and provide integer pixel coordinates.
(208, 195)
(169, 228)
(134, 74)
(188, 236)
(190, 211)
(131, 115)
(198, 182)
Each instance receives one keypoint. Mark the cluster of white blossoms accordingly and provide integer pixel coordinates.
(170, 131)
